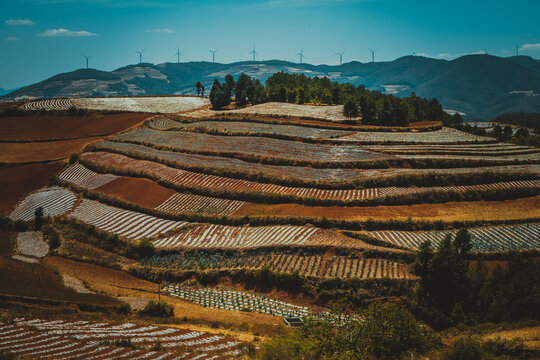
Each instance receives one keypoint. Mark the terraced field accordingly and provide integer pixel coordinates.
(54, 201)
(497, 238)
(85, 178)
(188, 203)
(196, 180)
(230, 237)
(129, 224)
(153, 104)
(305, 265)
(238, 127)
(264, 147)
(31, 246)
(48, 104)
(442, 136)
(36, 338)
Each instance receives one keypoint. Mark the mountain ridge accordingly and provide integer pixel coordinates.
(482, 86)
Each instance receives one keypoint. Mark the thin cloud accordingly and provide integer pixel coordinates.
(19, 22)
(532, 47)
(161, 31)
(11, 38)
(65, 33)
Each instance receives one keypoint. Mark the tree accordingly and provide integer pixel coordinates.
(507, 132)
(218, 97)
(199, 88)
(301, 95)
(497, 131)
(241, 88)
(38, 213)
(462, 242)
(229, 82)
(368, 109)
(350, 109)
(457, 120)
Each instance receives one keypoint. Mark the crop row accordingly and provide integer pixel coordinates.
(48, 104)
(498, 238)
(236, 300)
(90, 340)
(190, 180)
(444, 135)
(188, 203)
(222, 236)
(54, 201)
(251, 128)
(305, 265)
(85, 178)
(126, 223)
(246, 146)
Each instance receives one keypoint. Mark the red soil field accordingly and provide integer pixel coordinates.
(17, 181)
(144, 192)
(38, 127)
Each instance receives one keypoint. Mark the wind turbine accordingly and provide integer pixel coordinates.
(253, 52)
(301, 54)
(178, 53)
(373, 54)
(213, 55)
(140, 55)
(87, 57)
(485, 52)
(340, 56)
(517, 49)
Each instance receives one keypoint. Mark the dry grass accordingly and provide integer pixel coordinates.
(529, 335)
(451, 211)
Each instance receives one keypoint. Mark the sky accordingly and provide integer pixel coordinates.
(41, 38)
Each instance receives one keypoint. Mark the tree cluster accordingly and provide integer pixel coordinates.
(373, 106)
(451, 292)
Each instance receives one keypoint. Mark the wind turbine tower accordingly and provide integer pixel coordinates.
(373, 55)
(340, 56)
(87, 58)
(253, 52)
(140, 55)
(301, 54)
(517, 49)
(178, 53)
(213, 55)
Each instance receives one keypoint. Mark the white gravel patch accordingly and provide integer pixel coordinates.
(31, 243)
(75, 284)
(154, 104)
(25, 258)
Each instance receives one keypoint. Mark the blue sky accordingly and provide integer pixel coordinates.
(41, 38)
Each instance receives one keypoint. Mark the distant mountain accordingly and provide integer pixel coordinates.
(482, 86)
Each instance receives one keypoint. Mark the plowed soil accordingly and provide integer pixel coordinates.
(17, 181)
(42, 151)
(38, 127)
(144, 192)
(452, 211)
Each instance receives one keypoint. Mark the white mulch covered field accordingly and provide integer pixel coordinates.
(31, 243)
(153, 104)
(333, 112)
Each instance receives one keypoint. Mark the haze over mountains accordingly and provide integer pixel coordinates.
(481, 86)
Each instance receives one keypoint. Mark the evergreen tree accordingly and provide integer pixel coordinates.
(199, 88)
(219, 97)
(229, 81)
(242, 84)
(350, 109)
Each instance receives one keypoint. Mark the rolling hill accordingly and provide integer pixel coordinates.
(482, 86)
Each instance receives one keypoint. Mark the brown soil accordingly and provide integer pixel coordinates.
(17, 181)
(143, 192)
(42, 151)
(38, 127)
(120, 283)
(451, 211)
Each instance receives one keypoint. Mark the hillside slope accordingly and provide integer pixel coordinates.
(482, 86)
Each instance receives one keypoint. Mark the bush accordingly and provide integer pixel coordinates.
(73, 158)
(124, 309)
(144, 248)
(466, 349)
(158, 309)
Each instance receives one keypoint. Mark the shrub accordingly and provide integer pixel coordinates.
(466, 349)
(158, 309)
(124, 309)
(73, 158)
